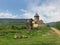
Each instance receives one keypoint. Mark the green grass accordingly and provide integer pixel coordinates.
(36, 38)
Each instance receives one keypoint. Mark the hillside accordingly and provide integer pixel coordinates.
(54, 24)
(57, 25)
(36, 36)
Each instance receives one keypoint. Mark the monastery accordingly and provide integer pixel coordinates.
(34, 23)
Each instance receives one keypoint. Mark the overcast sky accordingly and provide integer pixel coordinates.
(48, 10)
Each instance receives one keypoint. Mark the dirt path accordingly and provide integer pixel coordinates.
(55, 30)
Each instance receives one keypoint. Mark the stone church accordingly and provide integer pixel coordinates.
(34, 23)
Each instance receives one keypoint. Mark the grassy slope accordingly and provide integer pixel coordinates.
(55, 24)
(58, 25)
(38, 37)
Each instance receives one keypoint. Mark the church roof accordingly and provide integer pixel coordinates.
(36, 15)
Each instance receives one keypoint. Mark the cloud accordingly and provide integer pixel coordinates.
(23, 10)
(7, 15)
(48, 10)
(28, 15)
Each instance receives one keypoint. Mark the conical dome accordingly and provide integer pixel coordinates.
(36, 15)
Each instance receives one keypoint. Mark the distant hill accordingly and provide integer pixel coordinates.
(13, 21)
(52, 24)
(55, 24)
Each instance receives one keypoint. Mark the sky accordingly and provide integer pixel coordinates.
(48, 10)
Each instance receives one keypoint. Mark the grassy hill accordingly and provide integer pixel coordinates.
(36, 36)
